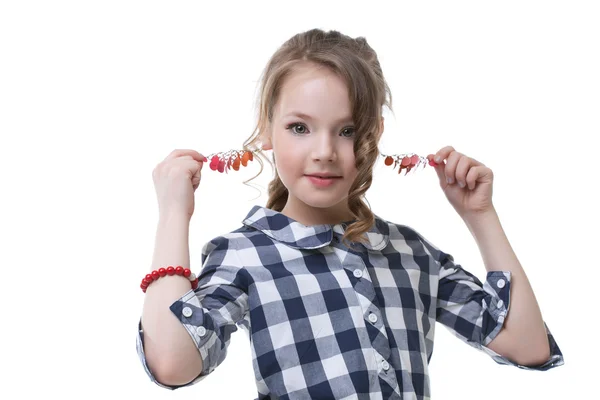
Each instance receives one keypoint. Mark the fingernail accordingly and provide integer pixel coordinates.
(449, 180)
(462, 185)
(438, 159)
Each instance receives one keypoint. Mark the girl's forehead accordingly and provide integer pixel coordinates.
(314, 93)
(310, 74)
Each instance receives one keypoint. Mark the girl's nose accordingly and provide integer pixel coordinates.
(324, 148)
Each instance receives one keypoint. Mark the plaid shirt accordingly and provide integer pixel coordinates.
(330, 322)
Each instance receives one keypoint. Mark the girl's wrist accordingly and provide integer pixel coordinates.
(176, 218)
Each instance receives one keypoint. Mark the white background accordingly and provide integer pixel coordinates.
(94, 94)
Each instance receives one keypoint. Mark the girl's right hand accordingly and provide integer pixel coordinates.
(175, 179)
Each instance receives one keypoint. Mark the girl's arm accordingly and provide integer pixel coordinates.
(170, 352)
(524, 338)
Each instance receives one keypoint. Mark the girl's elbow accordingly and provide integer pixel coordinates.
(533, 359)
(177, 376)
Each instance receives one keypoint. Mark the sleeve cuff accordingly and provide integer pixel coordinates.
(497, 286)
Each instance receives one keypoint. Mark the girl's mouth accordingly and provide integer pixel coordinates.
(322, 182)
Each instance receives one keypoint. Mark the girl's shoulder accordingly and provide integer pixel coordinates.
(397, 230)
(404, 237)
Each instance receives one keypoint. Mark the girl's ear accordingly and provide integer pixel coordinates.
(381, 128)
(266, 143)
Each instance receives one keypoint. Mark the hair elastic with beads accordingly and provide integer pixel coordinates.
(224, 161)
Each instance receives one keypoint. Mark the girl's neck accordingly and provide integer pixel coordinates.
(309, 216)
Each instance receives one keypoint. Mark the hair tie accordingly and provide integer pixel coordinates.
(224, 161)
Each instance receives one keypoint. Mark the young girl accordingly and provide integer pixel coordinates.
(338, 303)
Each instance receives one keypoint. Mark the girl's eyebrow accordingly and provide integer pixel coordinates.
(308, 117)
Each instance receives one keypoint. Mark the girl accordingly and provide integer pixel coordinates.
(338, 303)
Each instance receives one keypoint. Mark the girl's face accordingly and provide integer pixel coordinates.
(312, 133)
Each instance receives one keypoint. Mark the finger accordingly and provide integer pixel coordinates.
(451, 164)
(443, 153)
(431, 157)
(472, 177)
(182, 166)
(186, 152)
(439, 170)
(196, 170)
(191, 165)
(462, 169)
(196, 180)
(479, 174)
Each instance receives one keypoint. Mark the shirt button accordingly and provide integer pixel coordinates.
(501, 283)
(500, 303)
(385, 365)
(357, 273)
(187, 312)
(372, 318)
(201, 331)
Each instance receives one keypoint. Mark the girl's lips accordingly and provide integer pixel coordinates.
(322, 182)
(323, 176)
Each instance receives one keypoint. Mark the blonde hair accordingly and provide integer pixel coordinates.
(354, 61)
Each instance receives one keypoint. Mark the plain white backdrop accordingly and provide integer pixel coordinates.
(94, 94)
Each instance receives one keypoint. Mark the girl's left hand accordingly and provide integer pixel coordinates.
(476, 194)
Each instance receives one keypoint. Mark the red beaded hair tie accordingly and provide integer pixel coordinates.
(407, 161)
(156, 274)
(224, 161)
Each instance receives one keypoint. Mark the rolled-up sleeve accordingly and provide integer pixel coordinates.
(211, 313)
(475, 312)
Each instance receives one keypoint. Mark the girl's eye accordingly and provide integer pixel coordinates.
(347, 132)
(296, 125)
(350, 130)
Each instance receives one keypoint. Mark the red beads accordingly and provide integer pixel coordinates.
(225, 161)
(407, 161)
(170, 270)
(234, 159)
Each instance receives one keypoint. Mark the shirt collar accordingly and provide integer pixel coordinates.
(291, 232)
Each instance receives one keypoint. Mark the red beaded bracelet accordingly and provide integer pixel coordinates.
(170, 270)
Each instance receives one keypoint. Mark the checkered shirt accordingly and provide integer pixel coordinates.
(327, 321)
